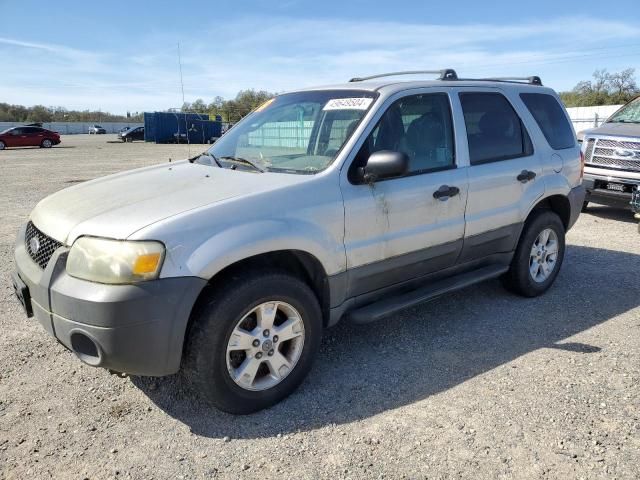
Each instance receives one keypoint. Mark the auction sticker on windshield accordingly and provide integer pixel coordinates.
(348, 104)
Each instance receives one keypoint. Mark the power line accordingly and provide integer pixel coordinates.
(555, 60)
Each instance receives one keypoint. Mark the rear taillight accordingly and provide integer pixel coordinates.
(581, 164)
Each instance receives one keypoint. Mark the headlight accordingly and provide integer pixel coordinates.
(114, 261)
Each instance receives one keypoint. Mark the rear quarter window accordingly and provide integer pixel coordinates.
(551, 119)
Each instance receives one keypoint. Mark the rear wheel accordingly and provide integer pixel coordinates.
(539, 255)
(253, 342)
(46, 143)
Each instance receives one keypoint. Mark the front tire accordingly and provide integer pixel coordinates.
(2, 145)
(539, 255)
(253, 341)
(46, 143)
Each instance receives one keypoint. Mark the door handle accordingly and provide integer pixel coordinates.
(526, 176)
(444, 192)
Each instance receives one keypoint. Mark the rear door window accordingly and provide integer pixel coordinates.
(494, 130)
(551, 119)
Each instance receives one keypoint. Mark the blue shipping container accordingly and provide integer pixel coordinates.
(169, 127)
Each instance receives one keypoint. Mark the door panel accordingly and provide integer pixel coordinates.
(497, 198)
(498, 202)
(17, 138)
(32, 137)
(396, 230)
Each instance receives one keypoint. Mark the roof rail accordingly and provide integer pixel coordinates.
(444, 74)
(533, 80)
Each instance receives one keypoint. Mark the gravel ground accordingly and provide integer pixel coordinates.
(478, 384)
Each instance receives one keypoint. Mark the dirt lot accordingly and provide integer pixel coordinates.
(479, 384)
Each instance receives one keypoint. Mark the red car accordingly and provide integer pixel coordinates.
(28, 137)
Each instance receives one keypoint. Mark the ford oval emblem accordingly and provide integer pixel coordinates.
(34, 245)
(623, 153)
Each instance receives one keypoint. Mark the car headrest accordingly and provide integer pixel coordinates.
(494, 124)
(425, 132)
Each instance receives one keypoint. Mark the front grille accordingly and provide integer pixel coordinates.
(613, 154)
(40, 246)
(589, 152)
(603, 142)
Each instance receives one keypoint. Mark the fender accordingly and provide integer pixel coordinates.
(239, 242)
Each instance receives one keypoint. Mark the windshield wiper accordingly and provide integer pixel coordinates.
(245, 161)
(206, 154)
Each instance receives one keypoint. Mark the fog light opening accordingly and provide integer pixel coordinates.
(85, 348)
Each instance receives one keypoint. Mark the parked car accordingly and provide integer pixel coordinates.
(97, 130)
(135, 133)
(228, 266)
(28, 137)
(612, 158)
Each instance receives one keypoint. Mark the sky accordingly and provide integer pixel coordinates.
(123, 56)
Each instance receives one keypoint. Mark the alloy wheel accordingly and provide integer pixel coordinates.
(544, 255)
(265, 346)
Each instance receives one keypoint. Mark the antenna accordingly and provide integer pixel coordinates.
(186, 126)
(180, 66)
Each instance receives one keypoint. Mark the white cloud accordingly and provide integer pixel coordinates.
(281, 53)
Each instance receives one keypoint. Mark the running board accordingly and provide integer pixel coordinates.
(385, 307)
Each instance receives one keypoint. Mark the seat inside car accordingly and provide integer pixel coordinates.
(425, 143)
(495, 130)
(391, 131)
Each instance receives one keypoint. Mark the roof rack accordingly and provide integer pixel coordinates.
(450, 74)
(445, 74)
(533, 80)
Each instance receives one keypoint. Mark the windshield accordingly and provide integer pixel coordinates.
(294, 133)
(630, 113)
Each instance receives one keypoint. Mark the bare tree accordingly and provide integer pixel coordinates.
(624, 82)
(601, 79)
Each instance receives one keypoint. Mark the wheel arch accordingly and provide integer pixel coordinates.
(297, 263)
(559, 204)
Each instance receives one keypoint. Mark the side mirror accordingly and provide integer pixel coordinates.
(384, 164)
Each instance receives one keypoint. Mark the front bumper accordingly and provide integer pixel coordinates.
(597, 191)
(137, 329)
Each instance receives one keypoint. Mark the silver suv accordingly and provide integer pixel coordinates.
(346, 202)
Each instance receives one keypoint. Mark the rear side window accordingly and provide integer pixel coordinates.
(494, 130)
(550, 118)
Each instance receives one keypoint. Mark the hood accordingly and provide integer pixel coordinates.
(118, 205)
(614, 129)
